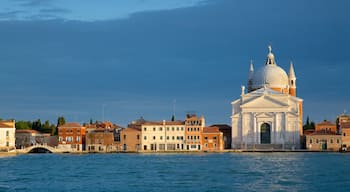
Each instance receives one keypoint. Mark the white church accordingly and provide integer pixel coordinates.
(269, 114)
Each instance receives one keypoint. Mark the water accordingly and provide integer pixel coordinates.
(176, 172)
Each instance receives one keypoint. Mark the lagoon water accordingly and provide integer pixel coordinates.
(176, 172)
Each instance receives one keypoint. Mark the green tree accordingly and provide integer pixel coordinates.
(91, 122)
(173, 118)
(36, 125)
(60, 121)
(23, 125)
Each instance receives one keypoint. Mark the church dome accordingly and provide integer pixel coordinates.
(272, 76)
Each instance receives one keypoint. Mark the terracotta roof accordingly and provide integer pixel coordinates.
(166, 123)
(71, 124)
(323, 132)
(27, 131)
(326, 123)
(222, 126)
(7, 124)
(211, 130)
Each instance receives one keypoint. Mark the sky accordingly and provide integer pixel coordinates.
(120, 60)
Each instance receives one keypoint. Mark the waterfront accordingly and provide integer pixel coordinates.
(176, 172)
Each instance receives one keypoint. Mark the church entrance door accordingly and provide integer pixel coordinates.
(265, 133)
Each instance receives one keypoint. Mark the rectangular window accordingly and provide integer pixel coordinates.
(310, 140)
(7, 144)
(173, 129)
(78, 138)
(145, 138)
(167, 137)
(173, 137)
(182, 128)
(214, 138)
(124, 136)
(167, 128)
(160, 128)
(7, 133)
(154, 129)
(177, 129)
(154, 137)
(161, 137)
(59, 138)
(145, 129)
(206, 138)
(138, 137)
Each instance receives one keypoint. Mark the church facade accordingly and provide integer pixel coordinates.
(269, 114)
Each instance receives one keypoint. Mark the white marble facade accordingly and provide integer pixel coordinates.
(280, 112)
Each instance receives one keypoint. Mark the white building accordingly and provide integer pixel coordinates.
(270, 114)
(7, 136)
(163, 136)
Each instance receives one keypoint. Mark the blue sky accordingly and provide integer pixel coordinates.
(134, 58)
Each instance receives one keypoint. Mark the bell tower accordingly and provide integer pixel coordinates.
(292, 81)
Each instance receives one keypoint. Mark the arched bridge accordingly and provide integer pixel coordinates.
(39, 149)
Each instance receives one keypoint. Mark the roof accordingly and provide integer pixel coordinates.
(27, 131)
(71, 125)
(324, 132)
(7, 124)
(211, 130)
(222, 126)
(325, 122)
(162, 123)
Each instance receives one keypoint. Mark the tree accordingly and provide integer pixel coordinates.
(308, 124)
(36, 125)
(60, 121)
(91, 122)
(173, 118)
(23, 125)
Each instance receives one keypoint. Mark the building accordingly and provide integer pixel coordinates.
(325, 137)
(29, 137)
(193, 132)
(100, 140)
(212, 139)
(163, 135)
(326, 126)
(7, 136)
(227, 134)
(269, 115)
(343, 125)
(71, 137)
(130, 140)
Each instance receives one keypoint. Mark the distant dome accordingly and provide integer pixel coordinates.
(272, 76)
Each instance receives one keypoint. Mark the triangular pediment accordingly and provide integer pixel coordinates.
(264, 101)
(264, 115)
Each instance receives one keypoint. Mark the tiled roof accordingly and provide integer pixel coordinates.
(211, 130)
(27, 131)
(7, 124)
(166, 123)
(323, 132)
(71, 125)
(222, 126)
(326, 123)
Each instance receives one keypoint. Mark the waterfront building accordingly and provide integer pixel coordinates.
(269, 115)
(71, 137)
(100, 140)
(29, 137)
(193, 132)
(324, 137)
(130, 139)
(7, 136)
(227, 134)
(212, 139)
(163, 135)
(343, 124)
